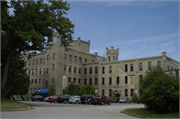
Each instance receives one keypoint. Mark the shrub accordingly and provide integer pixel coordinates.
(134, 97)
(159, 91)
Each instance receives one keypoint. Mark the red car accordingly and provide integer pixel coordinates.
(100, 100)
(53, 99)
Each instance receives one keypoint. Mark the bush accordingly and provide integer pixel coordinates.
(159, 91)
(134, 97)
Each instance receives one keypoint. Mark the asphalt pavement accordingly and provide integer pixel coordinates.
(71, 111)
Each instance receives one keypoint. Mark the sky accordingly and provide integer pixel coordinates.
(138, 28)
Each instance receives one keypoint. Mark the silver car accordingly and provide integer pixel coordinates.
(75, 99)
(125, 100)
(46, 99)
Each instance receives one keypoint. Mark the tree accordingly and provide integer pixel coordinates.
(72, 89)
(159, 91)
(31, 23)
(52, 90)
(87, 89)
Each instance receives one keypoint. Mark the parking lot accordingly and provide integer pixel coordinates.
(61, 110)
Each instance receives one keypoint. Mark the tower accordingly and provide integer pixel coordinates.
(112, 54)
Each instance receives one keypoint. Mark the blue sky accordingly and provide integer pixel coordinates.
(138, 28)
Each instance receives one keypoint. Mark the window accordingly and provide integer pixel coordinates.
(70, 68)
(96, 81)
(74, 80)
(140, 76)
(131, 67)
(37, 61)
(90, 70)
(109, 92)
(46, 83)
(96, 69)
(40, 71)
(109, 58)
(29, 72)
(26, 63)
(47, 71)
(113, 58)
(126, 67)
(64, 56)
(149, 65)
(35, 81)
(126, 79)
(32, 71)
(31, 81)
(53, 55)
(75, 59)
(70, 57)
(103, 70)
(69, 80)
(44, 60)
(131, 92)
(47, 57)
(41, 61)
(29, 62)
(33, 62)
(110, 81)
(168, 66)
(110, 69)
(159, 64)
(102, 92)
(79, 81)
(126, 92)
(43, 81)
(79, 59)
(116, 58)
(85, 59)
(53, 67)
(90, 81)
(140, 66)
(35, 90)
(52, 79)
(36, 71)
(85, 70)
(79, 70)
(85, 81)
(117, 80)
(64, 67)
(39, 81)
(103, 81)
(74, 69)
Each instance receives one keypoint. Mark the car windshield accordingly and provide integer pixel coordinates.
(97, 97)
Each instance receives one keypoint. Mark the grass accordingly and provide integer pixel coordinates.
(7, 104)
(143, 112)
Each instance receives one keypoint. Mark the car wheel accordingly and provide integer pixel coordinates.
(94, 104)
(89, 102)
(102, 103)
(36, 100)
(76, 102)
(55, 101)
(82, 103)
(109, 103)
(65, 101)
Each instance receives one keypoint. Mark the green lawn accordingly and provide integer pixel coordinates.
(7, 104)
(142, 112)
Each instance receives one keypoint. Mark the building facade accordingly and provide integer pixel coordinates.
(105, 74)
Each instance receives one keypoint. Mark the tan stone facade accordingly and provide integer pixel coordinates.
(59, 66)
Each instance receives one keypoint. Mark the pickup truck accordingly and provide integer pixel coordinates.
(100, 100)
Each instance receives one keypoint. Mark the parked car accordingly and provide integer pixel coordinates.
(115, 100)
(75, 99)
(125, 100)
(53, 99)
(63, 98)
(86, 99)
(46, 99)
(100, 100)
(37, 98)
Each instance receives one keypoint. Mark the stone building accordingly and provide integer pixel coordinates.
(77, 65)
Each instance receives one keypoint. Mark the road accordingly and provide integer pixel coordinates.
(72, 111)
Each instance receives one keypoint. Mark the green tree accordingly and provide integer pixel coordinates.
(159, 91)
(52, 90)
(27, 28)
(87, 89)
(134, 97)
(72, 89)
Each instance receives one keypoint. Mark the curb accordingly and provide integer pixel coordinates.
(22, 109)
(132, 114)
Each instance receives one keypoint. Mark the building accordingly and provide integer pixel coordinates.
(105, 74)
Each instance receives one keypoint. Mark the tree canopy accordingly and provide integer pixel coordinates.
(159, 91)
(27, 28)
